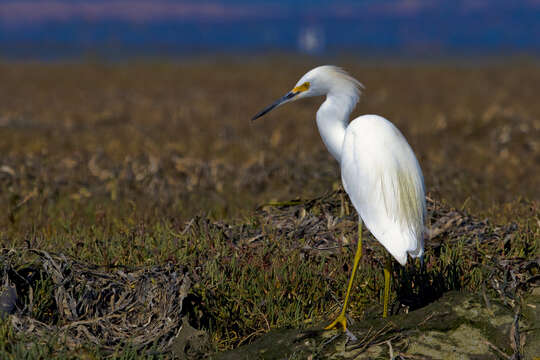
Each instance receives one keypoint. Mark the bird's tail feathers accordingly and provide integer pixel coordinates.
(400, 243)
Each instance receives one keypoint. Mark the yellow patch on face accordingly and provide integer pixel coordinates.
(301, 88)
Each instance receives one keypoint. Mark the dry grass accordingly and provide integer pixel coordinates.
(143, 165)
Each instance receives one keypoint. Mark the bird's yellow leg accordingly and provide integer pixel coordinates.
(387, 272)
(341, 319)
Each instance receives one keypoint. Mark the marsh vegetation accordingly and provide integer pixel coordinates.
(125, 176)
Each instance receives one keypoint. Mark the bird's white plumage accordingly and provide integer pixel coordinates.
(379, 170)
(384, 182)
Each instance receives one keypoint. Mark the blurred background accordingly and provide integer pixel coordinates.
(60, 29)
(115, 102)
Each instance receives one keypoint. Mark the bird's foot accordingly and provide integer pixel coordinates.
(340, 320)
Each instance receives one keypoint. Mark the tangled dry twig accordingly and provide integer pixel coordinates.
(102, 307)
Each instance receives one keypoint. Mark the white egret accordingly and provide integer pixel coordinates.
(379, 170)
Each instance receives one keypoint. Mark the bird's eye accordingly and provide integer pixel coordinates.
(301, 88)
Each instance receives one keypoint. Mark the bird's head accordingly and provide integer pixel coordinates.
(319, 81)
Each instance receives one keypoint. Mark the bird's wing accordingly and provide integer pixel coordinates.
(384, 181)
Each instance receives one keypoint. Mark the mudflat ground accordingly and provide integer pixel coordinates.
(143, 172)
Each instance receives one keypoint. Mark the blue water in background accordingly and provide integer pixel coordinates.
(440, 30)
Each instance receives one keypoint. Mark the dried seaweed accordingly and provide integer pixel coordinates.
(324, 219)
(105, 307)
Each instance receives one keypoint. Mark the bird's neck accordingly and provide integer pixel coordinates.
(332, 121)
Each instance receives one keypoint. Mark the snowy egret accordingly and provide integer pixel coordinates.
(379, 170)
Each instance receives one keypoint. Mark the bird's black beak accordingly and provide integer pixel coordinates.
(284, 99)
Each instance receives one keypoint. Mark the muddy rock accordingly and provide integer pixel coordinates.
(531, 334)
(457, 326)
